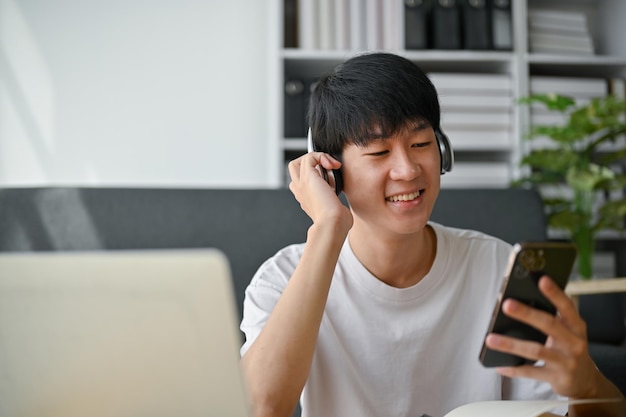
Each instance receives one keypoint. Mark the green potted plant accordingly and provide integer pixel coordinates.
(579, 173)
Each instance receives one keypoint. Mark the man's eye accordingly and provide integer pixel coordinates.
(420, 144)
(379, 153)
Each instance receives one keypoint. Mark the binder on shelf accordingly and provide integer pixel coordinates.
(415, 24)
(297, 95)
(294, 109)
(290, 23)
(501, 25)
(446, 24)
(476, 25)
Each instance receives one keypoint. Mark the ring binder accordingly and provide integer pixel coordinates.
(446, 24)
(476, 25)
(415, 24)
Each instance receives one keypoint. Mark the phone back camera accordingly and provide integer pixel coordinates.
(533, 260)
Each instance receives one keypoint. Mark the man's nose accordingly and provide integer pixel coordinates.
(403, 167)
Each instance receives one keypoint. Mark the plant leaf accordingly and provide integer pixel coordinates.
(588, 178)
(612, 214)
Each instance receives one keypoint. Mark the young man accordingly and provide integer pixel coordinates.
(381, 312)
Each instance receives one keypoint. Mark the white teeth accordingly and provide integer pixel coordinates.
(404, 197)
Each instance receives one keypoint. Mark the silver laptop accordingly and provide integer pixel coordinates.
(119, 334)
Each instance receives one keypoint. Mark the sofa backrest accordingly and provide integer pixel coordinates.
(247, 225)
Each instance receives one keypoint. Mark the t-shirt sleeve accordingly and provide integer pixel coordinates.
(264, 290)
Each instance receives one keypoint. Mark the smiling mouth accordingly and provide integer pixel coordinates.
(405, 197)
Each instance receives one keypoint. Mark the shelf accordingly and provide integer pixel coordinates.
(591, 60)
(577, 65)
(311, 62)
(607, 235)
(607, 32)
(422, 55)
(295, 144)
(594, 286)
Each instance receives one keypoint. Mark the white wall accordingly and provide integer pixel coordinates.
(134, 92)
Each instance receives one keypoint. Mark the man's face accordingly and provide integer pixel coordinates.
(392, 183)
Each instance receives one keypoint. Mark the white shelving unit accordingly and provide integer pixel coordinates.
(605, 19)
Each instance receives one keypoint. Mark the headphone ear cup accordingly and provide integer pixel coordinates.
(338, 180)
(445, 151)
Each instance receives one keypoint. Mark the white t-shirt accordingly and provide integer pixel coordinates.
(386, 351)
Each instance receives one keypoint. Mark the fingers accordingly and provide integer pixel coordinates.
(564, 305)
(566, 323)
(313, 190)
(564, 357)
(307, 164)
(531, 350)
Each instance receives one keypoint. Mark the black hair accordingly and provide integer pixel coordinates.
(367, 95)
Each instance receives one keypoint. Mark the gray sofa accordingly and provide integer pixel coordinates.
(247, 225)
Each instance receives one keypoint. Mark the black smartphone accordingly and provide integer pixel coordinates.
(528, 262)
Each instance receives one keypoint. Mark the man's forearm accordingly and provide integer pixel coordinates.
(277, 364)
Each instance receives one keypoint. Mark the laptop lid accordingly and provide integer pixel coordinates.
(119, 333)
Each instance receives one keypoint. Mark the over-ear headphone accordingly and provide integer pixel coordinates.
(446, 157)
(445, 151)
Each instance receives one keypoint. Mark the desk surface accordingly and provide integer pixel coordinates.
(596, 286)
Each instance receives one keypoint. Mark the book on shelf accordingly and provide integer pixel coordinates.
(559, 32)
(569, 86)
(373, 22)
(477, 119)
(485, 83)
(563, 29)
(307, 24)
(356, 19)
(326, 24)
(479, 139)
(396, 25)
(342, 24)
(542, 42)
(501, 25)
(478, 174)
(476, 109)
(391, 28)
(557, 18)
(452, 100)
